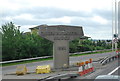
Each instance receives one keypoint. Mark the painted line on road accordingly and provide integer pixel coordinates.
(113, 71)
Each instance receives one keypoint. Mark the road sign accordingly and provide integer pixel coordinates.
(115, 40)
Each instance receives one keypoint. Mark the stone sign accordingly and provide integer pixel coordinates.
(60, 35)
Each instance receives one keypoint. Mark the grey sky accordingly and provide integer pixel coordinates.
(94, 15)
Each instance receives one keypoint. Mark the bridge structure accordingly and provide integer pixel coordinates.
(60, 35)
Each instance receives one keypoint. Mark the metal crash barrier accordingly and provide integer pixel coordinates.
(111, 58)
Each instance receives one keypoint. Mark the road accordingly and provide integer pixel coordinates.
(112, 68)
(105, 70)
(32, 66)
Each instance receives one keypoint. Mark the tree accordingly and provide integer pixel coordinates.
(73, 45)
(10, 35)
(17, 45)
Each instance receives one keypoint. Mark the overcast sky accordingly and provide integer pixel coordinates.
(95, 16)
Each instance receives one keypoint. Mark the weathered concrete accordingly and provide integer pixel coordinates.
(60, 35)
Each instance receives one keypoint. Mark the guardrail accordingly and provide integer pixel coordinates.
(12, 61)
(88, 52)
(24, 59)
(110, 59)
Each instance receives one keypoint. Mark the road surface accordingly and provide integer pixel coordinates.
(105, 70)
(112, 68)
(32, 66)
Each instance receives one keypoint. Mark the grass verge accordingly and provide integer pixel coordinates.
(23, 62)
(91, 53)
(45, 59)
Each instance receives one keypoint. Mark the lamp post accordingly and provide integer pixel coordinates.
(112, 26)
(116, 25)
(119, 20)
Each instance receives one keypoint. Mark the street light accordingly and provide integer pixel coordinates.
(114, 24)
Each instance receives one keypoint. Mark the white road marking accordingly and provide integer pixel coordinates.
(113, 70)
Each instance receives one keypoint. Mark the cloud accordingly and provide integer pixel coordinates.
(46, 12)
(95, 19)
(41, 14)
(53, 14)
(107, 14)
(100, 20)
(74, 5)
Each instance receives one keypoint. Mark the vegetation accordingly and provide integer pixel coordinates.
(18, 45)
(89, 45)
(119, 44)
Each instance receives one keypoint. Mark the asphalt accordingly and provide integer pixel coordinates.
(103, 70)
(32, 66)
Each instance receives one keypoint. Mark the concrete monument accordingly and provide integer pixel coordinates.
(60, 35)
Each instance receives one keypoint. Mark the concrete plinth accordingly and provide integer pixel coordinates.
(61, 54)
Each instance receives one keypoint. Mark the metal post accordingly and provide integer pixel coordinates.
(119, 20)
(112, 26)
(115, 24)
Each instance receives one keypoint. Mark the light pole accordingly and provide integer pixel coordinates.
(116, 25)
(112, 26)
(119, 20)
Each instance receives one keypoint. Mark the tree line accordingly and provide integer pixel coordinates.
(17, 45)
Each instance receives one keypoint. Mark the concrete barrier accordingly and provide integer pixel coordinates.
(43, 69)
(21, 70)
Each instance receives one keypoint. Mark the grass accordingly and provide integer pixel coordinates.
(23, 62)
(90, 53)
(45, 59)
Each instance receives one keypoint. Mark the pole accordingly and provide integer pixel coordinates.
(115, 24)
(112, 26)
(119, 20)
